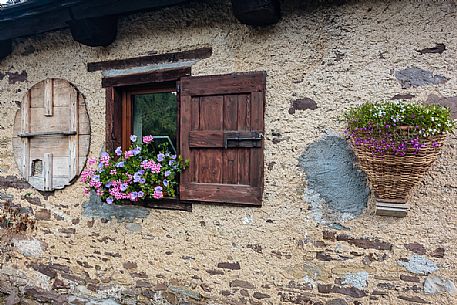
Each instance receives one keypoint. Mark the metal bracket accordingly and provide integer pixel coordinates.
(243, 139)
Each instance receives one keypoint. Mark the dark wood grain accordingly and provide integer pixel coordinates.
(226, 84)
(223, 193)
(220, 173)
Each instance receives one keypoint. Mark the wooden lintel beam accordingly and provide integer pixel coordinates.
(126, 63)
(165, 75)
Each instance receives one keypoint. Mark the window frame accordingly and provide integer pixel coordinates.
(127, 107)
(117, 94)
(119, 113)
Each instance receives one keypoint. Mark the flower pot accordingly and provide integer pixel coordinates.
(392, 177)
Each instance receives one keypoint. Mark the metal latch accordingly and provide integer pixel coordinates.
(243, 139)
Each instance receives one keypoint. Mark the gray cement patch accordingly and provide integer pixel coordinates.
(357, 279)
(419, 264)
(416, 77)
(337, 191)
(95, 208)
(435, 284)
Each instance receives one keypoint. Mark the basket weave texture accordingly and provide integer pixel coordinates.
(392, 177)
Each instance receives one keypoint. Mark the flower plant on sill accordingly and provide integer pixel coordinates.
(396, 127)
(144, 171)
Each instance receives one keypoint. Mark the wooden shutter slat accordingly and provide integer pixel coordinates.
(244, 123)
(227, 84)
(206, 138)
(48, 97)
(185, 119)
(222, 193)
(230, 157)
(221, 117)
(25, 128)
(47, 171)
(73, 141)
(256, 155)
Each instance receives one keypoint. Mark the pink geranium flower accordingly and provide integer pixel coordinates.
(147, 139)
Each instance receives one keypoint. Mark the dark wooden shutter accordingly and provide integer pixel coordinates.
(221, 133)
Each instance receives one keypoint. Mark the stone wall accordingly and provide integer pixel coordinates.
(309, 243)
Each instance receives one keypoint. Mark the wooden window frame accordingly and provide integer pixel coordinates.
(119, 90)
(127, 107)
(119, 115)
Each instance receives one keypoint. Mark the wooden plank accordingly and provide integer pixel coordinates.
(256, 154)
(149, 60)
(25, 127)
(211, 119)
(57, 123)
(230, 156)
(61, 88)
(194, 125)
(109, 119)
(244, 123)
(224, 193)
(226, 84)
(185, 126)
(52, 133)
(206, 138)
(74, 111)
(48, 97)
(73, 141)
(157, 76)
(48, 171)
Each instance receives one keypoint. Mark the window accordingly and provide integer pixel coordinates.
(217, 122)
(151, 110)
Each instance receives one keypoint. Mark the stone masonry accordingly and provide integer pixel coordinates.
(320, 59)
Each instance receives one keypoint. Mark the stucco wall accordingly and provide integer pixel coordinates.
(281, 253)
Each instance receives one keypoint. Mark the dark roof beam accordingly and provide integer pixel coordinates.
(257, 12)
(95, 32)
(6, 46)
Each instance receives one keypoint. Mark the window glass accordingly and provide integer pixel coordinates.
(156, 114)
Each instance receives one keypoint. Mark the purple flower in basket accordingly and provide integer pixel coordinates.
(124, 186)
(167, 173)
(133, 138)
(140, 194)
(109, 200)
(158, 189)
(165, 183)
(120, 164)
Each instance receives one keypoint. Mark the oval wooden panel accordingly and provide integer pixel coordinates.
(51, 134)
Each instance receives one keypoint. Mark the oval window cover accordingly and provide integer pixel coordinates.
(51, 134)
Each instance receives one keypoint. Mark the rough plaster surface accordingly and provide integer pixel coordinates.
(336, 190)
(338, 56)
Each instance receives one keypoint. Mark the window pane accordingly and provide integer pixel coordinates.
(156, 114)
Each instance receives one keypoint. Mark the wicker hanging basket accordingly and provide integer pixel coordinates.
(392, 177)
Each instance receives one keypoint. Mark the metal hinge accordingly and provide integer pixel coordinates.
(178, 87)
